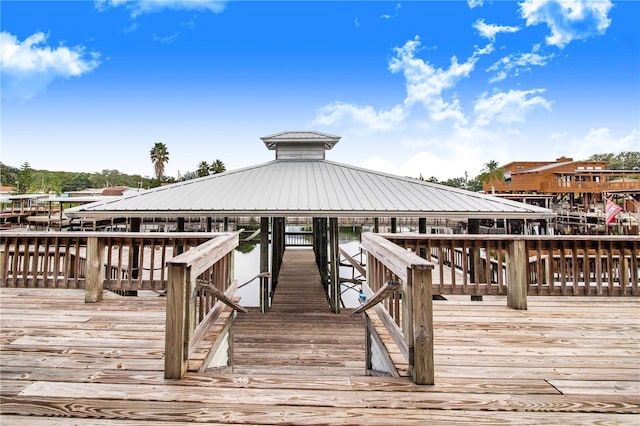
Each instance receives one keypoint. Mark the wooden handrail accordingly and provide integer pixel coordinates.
(221, 297)
(183, 326)
(353, 262)
(408, 319)
(382, 293)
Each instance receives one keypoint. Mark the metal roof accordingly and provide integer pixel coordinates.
(317, 188)
(543, 168)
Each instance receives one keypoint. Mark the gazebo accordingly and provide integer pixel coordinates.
(301, 182)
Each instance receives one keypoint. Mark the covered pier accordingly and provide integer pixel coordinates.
(302, 183)
(72, 350)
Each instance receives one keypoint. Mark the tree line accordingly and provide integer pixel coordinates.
(25, 179)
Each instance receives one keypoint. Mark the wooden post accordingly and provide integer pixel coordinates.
(176, 347)
(95, 270)
(423, 367)
(394, 225)
(264, 263)
(226, 224)
(209, 223)
(517, 274)
(277, 249)
(422, 229)
(323, 258)
(376, 225)
(623, 271)
(134, 226)
(335, 265)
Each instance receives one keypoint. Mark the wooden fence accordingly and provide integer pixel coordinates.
(132, 261)
(406, 308)
(544, 265)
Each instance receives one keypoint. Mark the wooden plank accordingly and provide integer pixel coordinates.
(493, 365)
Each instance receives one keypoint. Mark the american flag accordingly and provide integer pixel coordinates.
(611, 211)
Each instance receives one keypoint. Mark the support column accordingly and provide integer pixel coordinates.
(376, 225)
(226, 224)
(422, 229)
(277, 249)
(134, 226)
(264, 263)
(95, 270)
(517, 275)
(180, 228)
(335, 265)
(422, 371)
(394, 225)
(209, 227)
(323, 257)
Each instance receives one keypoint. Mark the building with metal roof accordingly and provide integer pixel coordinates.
(301, 182)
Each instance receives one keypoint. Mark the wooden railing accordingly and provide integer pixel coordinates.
(406, 308)
(200, 284)
(132, 261)
(544, 265)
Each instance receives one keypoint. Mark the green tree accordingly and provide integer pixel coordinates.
(203, 169)
(25, 179)
(629, 160)
(458, 182)
(159, 156)
(474, 185)
(490, 173)
(218, 167)
(626, 160)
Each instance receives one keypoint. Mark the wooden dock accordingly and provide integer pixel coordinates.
(565, 360)
(299, 334)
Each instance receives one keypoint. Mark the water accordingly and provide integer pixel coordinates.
(247, 266)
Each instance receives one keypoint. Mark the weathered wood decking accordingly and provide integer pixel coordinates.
(299, 334)
(565, 360)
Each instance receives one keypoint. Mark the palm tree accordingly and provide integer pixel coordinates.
(490, 173)
(203, 169)
(218, 167)
(159, 156)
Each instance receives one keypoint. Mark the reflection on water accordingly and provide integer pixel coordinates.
(247, 266)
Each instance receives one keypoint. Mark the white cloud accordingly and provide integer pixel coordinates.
(475, 3)
(28, 67)
(168, 39)
(338, 113)
(387, 16)
(140, 7)
(600, 140)
(489, 31)
(509, 107)
(514, 65)
(444, 158)
(425, 85)
(568, 20)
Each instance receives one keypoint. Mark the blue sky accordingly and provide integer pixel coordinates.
(431, 88)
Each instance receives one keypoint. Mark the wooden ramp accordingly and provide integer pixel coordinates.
(299, 334)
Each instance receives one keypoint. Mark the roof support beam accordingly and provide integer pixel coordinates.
(264, 263)
(335, 265)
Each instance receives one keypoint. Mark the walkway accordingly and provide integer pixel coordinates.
(299, 334)
(567, 360)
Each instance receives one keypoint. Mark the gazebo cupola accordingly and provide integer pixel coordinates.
(300, 145)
